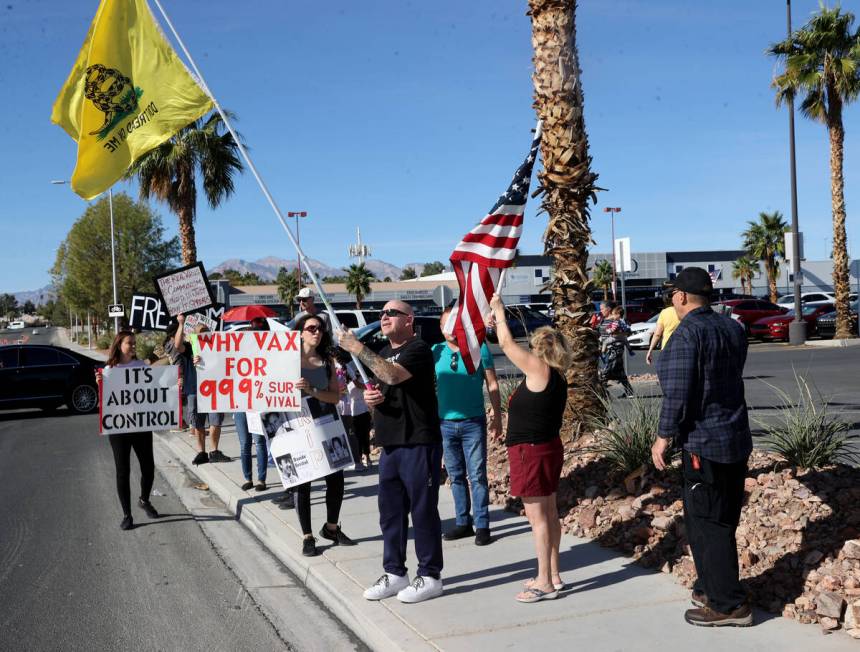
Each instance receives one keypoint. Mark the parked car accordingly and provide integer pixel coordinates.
(776, 328)
(749, 311)
(14, 325)
(787, 300)
(826, 324)
(522, 321)
(350, 318)
(47, 376)
(426, 327)
(640, 335)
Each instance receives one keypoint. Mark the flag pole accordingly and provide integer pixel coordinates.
(302, 258)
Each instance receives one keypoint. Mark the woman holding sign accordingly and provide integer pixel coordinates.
(320, 382)
(123, 353)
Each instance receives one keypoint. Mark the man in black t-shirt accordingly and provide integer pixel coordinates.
(406, 419)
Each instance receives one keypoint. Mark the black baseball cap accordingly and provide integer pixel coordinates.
(694, 280)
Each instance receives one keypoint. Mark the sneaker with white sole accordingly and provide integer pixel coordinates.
(386, 586)
(422, 588)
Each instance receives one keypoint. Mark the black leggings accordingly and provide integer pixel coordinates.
(121, 445)
(361, 425)
(333, 501)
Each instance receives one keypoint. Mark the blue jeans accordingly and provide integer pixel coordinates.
(466, 455)
(241, 422)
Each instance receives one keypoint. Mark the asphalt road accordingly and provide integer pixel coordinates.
(70, 579)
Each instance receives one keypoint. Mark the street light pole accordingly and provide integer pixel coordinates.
(612, 212)
(62, 182)
(797, 327)
(297, 215)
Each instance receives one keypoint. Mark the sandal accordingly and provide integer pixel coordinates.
(560, 586)
(536, 595)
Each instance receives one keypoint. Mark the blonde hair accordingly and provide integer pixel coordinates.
(552, 347)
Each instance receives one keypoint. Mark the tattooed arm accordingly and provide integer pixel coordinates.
(389, 373)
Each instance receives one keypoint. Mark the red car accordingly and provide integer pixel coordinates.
(751, 310)
(776, 328)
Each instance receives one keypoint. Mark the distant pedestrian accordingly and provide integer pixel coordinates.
(240, 419)
(464, 433)
(308, 308)
(704, 411)
(123, 354)
(667, 322)
(180, 354)
(535, 453)
(613, 332)
(406, 421)
(319, 382)
(602, 313)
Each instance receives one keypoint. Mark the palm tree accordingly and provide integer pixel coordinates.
(601, 276)
(168, 172)
(358, 279)
(822, 64)
(765, 240)
(744, 269)
(567, 184)
(288, 288)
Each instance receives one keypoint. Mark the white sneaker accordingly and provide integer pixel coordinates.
(422, 588)
(386, 586)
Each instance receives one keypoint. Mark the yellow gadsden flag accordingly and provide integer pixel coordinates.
(128, 92)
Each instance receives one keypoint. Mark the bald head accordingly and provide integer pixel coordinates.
(396, 322)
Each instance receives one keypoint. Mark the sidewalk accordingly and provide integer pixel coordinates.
(611, 603)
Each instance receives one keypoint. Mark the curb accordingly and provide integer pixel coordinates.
(373, 622)
(834, 343)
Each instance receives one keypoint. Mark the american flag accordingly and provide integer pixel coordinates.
(482, 255)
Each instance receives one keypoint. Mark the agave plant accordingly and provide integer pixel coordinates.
(624, 432)
(806, 435)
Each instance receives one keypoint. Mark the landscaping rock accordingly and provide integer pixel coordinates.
(829, 605)
(851, 549)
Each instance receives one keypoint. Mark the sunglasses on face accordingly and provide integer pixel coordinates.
(390, 312)
(311, 329)
(455, 358)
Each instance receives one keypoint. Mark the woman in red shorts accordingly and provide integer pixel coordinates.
(535, 452)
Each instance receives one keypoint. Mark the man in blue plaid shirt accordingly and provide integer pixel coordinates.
(705, 413)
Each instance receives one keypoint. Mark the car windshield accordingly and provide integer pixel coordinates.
(786, 298)
(653, 319)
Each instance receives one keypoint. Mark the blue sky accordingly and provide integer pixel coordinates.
(408, 118)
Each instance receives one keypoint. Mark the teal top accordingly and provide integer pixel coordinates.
(461, 396)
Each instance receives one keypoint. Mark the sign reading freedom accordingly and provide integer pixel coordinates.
(139, 399)
(249, 370)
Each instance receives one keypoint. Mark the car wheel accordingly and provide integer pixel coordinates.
(83, 399)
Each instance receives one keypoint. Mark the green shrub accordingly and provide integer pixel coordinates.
(806, 435)
(624, 433)
(104, 341)
(507, 386)
(145, 345)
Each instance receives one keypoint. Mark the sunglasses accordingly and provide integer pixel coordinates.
(455, 358)
(311, 329)
(391, 312)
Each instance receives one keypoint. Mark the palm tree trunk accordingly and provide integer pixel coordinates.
(771, 277)
(567, 183)
(841, 287)
(605, 293)
(186, 237)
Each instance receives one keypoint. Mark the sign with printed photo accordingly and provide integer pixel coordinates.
(184, 290)
(308, 445)
(139, 399)
(248, 370)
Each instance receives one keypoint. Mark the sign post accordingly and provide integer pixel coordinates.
(116, 311)
(624, 261)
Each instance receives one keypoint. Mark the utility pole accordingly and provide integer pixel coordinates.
(797, 327)
(297, 215)
(612, 212)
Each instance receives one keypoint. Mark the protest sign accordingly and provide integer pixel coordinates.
(184, 290)
(139, 399)
(248, 370)
(309, 444)
(147, 313)
(255, 423)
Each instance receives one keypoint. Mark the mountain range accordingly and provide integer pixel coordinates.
(267, 268)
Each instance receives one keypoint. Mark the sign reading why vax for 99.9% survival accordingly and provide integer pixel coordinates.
(138, 399)
(248, 370)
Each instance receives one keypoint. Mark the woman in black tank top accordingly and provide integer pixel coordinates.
(535, 452)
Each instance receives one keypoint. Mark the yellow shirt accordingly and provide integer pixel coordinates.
(669, 320)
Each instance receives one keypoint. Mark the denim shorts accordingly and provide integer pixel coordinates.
(195, 419)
